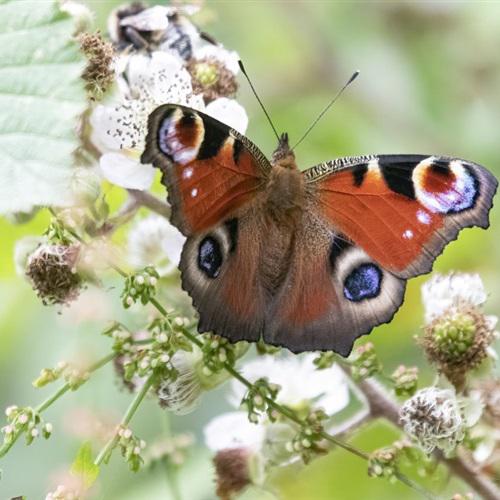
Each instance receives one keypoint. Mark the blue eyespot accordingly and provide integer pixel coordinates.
(210, 257)
(363, 283)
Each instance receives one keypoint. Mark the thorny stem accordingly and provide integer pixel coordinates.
(105, 453)
(52, 399)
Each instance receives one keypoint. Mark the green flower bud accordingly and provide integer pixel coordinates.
(457, 341)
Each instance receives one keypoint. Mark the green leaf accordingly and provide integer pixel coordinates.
(41, 97)
(84, 466)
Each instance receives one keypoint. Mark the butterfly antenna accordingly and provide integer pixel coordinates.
(258, 99)
(330, 104)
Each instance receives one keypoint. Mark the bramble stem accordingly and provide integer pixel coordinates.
(152, 202)
(52, 399)
(105, 453)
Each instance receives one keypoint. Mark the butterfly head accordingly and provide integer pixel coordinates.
(283, 154)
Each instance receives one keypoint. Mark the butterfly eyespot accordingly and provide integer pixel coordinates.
(363, 283)
(445, 186)
(180, 134)
(210, 257)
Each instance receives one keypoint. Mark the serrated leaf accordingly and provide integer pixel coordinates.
(84, 466)
(41, 97)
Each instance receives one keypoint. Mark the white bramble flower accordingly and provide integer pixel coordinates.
(458, 335)
(442, 292)
(153, 241)
(148, 80)
(301, 386)
(119, 130)
(233, 430)
(326, 389)
(436, 418)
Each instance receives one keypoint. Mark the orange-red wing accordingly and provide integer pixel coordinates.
(209, 169)
(402, 209)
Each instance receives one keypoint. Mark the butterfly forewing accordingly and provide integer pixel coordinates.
(402, 209)
(213, 174)
(209, 169)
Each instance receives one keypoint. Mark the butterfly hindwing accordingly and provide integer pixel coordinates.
(402, 210)
(220, 271)
(209, 169)
(213, 174)
(333, 292)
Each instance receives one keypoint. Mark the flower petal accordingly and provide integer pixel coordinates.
(229, 58)
(102, 121)
(230, 112)
(126, 172)
(142, 69)
(443, 291)
(153, 19)
(325, 388)
(233, 430)
(153, 241)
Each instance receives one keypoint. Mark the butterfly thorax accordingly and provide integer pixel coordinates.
(285, 189)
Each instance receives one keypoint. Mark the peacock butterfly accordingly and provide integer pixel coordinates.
(306, 260)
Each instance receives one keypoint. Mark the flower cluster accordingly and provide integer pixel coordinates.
(309, 440)
(130, 447)
(364, 362)
(256, 400)
(457, 335)
(24, 420)
(405, 380)
(52, 272)
(138, 360)
(73, 376)
(435, 417)
(384, 461)
(161, 57)
(217, 352)
(140, 286)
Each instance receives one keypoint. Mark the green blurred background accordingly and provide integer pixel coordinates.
(430, 81)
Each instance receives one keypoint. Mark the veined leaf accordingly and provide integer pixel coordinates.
(41, 97)
(84, 466)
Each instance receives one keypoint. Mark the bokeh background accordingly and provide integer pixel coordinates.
(430, 81)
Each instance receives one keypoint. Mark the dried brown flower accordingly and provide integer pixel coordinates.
(457, 341)
(232, 470)
(53, 275)
(98, 74)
